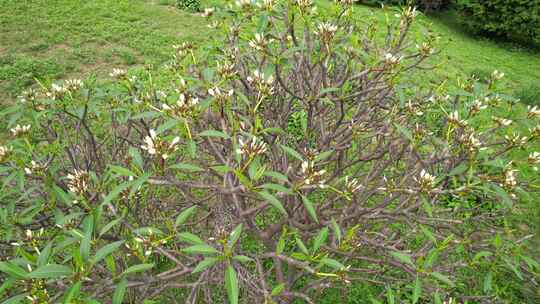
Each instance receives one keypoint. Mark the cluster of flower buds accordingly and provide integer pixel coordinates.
(244, 4)
(496, 75)
(501, 122)
(346, 2)
(208, 12)
(304, 5)
(4, 153)
(426, 181)
(156, 146)
(391, 59)
(535, 132)
(263, 84)
(118, 73)
(510, 180)
(409, 14)
(181, 50)
(220, 96)
(477, 106)
(425, 48)
(326, 32)
(251, 147)
(534, 159)
(311, 175)
(414, 108)
(453, 118)
(19, 130)
(185, 106)
(533, 112)
(515, 140)
(78, 181)
(226, 70)
(59, 91)
(35, 168)
(267, 4)
(352, 185)
(259, 42)
(470, 142)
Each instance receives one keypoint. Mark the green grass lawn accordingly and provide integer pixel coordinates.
(48, 39)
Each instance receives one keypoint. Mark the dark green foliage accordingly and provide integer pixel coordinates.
(513, 19)
(426, 5)
(529, 94)
(189, 5)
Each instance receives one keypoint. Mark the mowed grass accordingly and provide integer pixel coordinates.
(49, 39)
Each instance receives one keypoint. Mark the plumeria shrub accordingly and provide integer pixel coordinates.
(288, 159)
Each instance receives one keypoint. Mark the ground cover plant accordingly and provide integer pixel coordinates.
(288, 158)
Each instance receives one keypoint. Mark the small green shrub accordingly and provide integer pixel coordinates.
(517, 20)
(189, 5)
(529, 94)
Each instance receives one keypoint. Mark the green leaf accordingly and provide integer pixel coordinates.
(402, 257)
(309, 207)
(62, 195)
(390, 297)
(122, 171)
(277, 175)
(190, 238)
(88, 227)
(45, 254)
(332, 263)
(488, 280)
(234, 236)
(458, 170)
(187, 167)
(72, 292)
(324, 155)
(105, 251)
(301, 245)
(231, 284)
(204, 264)
(292, 153)
(16, 299)
(119, 292)
(13, 270)
(404, 131)
(442, 278)
(138, 268)
(214, 133)
(184, 215)
(115, 192)
(50, 271)
(417, 290)
(278, 188)
(201, 249)
(276, 291)
(273, 201)
(242, 258)
(320, 239)
(109, 225)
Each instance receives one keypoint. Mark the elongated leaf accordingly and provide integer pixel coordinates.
(190, 238)
(109, 225)
(122, 171)
(277, 175)
(204, 264)
(309, 208)
(186, 167)
(231, 284)
(273, 201)
(105, 251)
(184, 215)
(44, 255)
(417, 290)
(242, 259)
(276, 291)
(50, 271)
(72, 292)
(234, 236)
(402, 257)
(332, 263)
(278, 188)
(320, 240)
(119, 292)
(292, 153)
(201, 249)
(302, 246)
(13, 270)
(337, 230)
(214, 133)
(138, 268)
(16, 299)
(442, 278)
